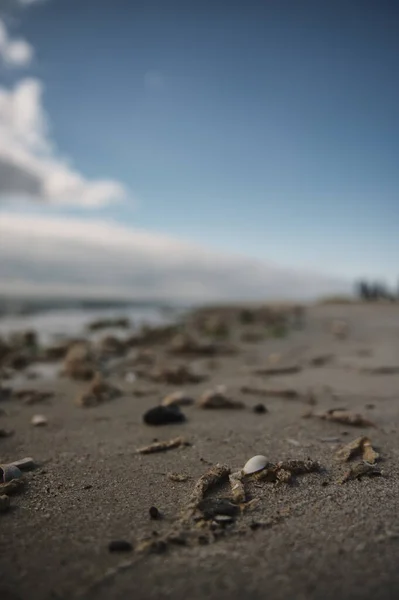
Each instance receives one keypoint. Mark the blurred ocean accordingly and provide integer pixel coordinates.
(52, 323)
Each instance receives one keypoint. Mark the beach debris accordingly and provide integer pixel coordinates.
(320, 360)
(260, 409)
(24, 464)
(154, 513)
(78, 362)
(212, 477)
(178, 477)
(4, 503)
(212, 507)
(178, 398)
(359, 446)
(98, 392)
(339, 329)
(163, 415)
(177, 375)
(120, 546)
(255, 464)
(217, 399)
(278, 370)
(237, 487)
(284, 470)
(360, 470)
(39, 420)
(110, 346)
(163, 446)
(9, 472)
(347, 417)
(6, 433)
(29, 396)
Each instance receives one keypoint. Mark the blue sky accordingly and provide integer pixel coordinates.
(269, 130)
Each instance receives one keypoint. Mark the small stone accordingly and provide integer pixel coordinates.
(163, 415)
(39, 421)
(120, 546)
(260, 409)
(154, 513)
(4, 503)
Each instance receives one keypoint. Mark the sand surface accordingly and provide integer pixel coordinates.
(314, 538)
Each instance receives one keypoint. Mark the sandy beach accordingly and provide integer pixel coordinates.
(332, 533)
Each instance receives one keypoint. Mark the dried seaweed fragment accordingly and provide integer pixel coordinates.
(179, 477)
(299, 467)
(237, 487)
(347, 417)
(163, 446)
(360, 445)
(288, 393)
(212, 477)
(360, 470)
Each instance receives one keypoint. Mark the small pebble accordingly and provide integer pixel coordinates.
(120, 546)
(260, 409)
(4, 503)
(39, 420)
(163, 415)
(154, 513)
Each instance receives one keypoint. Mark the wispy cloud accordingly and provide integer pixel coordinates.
(14, 52)
(30, 164)
(80, 256)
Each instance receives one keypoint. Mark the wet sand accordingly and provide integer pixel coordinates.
(313, 538)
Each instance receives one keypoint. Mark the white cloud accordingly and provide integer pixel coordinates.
(77, 257)
(14, 52)
(29, 164)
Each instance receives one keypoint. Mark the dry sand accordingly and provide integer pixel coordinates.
(319, 539)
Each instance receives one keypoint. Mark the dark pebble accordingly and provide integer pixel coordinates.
(260, 409)
(120, 546)
(154, 513)
(163, 415)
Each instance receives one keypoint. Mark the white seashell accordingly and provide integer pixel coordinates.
(256, 463)
(39, 420)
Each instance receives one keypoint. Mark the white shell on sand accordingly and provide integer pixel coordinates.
(256, 463)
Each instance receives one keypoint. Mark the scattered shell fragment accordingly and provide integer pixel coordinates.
(359, 470)
(237, 487)
(39, 420)
(255, 464)
(9, 472)
(4, 503)
(346, 417)
(178, 477)
(178, 398)
(163, 446)
(216, 399)
(369, 454)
